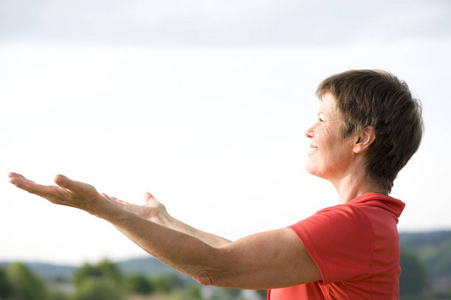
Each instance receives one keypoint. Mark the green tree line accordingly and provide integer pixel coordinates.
(104, 281)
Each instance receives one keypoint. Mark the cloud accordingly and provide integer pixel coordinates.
(199, 22)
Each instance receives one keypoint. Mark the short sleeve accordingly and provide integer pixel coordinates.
(340, 241)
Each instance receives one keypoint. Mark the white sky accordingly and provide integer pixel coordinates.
(205, 106)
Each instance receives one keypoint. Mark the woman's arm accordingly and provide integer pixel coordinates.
(265, 260)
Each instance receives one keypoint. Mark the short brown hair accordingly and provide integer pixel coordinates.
(379, 99)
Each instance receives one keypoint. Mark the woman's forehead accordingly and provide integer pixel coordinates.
(328, 105)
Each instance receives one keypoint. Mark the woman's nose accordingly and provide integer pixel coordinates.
(309, 132)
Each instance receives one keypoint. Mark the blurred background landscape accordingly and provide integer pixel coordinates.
(204, 104)
(425, 263)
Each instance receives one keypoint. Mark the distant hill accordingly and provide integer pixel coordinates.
(47, 271)
(434, 250)
(412, 239)
(148, 266)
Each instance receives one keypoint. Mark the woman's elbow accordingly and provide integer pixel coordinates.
(208, 277)
(204, 280)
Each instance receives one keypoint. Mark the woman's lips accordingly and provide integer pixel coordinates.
(313, 149)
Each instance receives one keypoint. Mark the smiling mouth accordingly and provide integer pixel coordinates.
(313, 149)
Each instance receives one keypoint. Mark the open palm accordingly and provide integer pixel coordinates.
(151, 210)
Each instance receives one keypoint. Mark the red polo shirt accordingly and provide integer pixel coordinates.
(356, 248)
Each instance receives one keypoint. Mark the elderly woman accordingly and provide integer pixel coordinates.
(368, 127)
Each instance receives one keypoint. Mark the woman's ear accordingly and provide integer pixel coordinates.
(364, 139)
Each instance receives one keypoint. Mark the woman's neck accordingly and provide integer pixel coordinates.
(352, 186)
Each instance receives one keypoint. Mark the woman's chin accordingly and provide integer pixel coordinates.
(310, 168)
(313, 170)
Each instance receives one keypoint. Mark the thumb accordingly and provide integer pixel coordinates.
(62, 181)
(148, 197)
(69, 184)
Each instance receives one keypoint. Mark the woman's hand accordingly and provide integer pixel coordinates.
(152, 210)
(67, 192)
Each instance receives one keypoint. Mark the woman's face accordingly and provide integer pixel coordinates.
(330, 155)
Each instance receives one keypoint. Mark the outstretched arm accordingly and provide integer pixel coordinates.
(265, 260)
(156, 212)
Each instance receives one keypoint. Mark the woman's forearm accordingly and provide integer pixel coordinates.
(209, 238)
